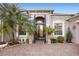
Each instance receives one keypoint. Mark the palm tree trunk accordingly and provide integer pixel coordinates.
(13, 39)
(14, 35)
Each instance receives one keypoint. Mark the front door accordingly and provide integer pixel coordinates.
(40, 27)
(40, 31)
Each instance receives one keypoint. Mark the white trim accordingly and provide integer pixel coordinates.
(22, 36)
(2, 36)
(59, 21)
(17, 30)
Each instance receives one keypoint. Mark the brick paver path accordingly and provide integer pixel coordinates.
(41, 49)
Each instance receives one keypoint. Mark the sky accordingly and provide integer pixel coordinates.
(68, 8)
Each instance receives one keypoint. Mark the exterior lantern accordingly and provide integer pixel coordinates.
(77, 21)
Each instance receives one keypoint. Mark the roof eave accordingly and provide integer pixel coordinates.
(77, 15)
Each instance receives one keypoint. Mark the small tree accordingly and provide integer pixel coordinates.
(31, 31)
(69, 36)
(50, 30)
(8, 15)
(11, 16)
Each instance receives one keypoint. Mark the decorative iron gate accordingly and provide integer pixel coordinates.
(40, 33)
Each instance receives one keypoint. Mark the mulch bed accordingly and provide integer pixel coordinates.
(2, 43)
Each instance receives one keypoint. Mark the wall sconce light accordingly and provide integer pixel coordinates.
(77, 21)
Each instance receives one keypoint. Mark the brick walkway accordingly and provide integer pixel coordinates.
(41, 49)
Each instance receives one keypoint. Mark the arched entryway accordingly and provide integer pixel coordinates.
(40, 24)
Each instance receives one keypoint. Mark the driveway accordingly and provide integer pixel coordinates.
(41, 49)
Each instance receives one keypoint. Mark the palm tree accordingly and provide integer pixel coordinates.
(8, 13)
(11, 16)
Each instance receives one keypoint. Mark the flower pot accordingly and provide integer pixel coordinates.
(49, 36)
(49, 41)
(30, 41)
(3, 45)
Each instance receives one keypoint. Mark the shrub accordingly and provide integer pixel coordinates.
(53, 40)
(60, 39)
(69, 36)
(2, 43)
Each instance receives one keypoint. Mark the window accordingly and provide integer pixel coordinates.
(21, 31)
(58, 27)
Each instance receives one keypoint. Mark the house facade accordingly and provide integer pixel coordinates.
(73, 23)
(46, 17)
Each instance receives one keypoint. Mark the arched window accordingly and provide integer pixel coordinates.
(22, 31)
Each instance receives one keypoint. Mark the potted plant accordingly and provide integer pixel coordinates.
(30, 33)
(3, 44)
(49, 31)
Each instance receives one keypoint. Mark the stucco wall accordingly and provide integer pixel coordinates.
(72, 29)
(51, 18)
(77, 33)
(75, 29)
(62, 19)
